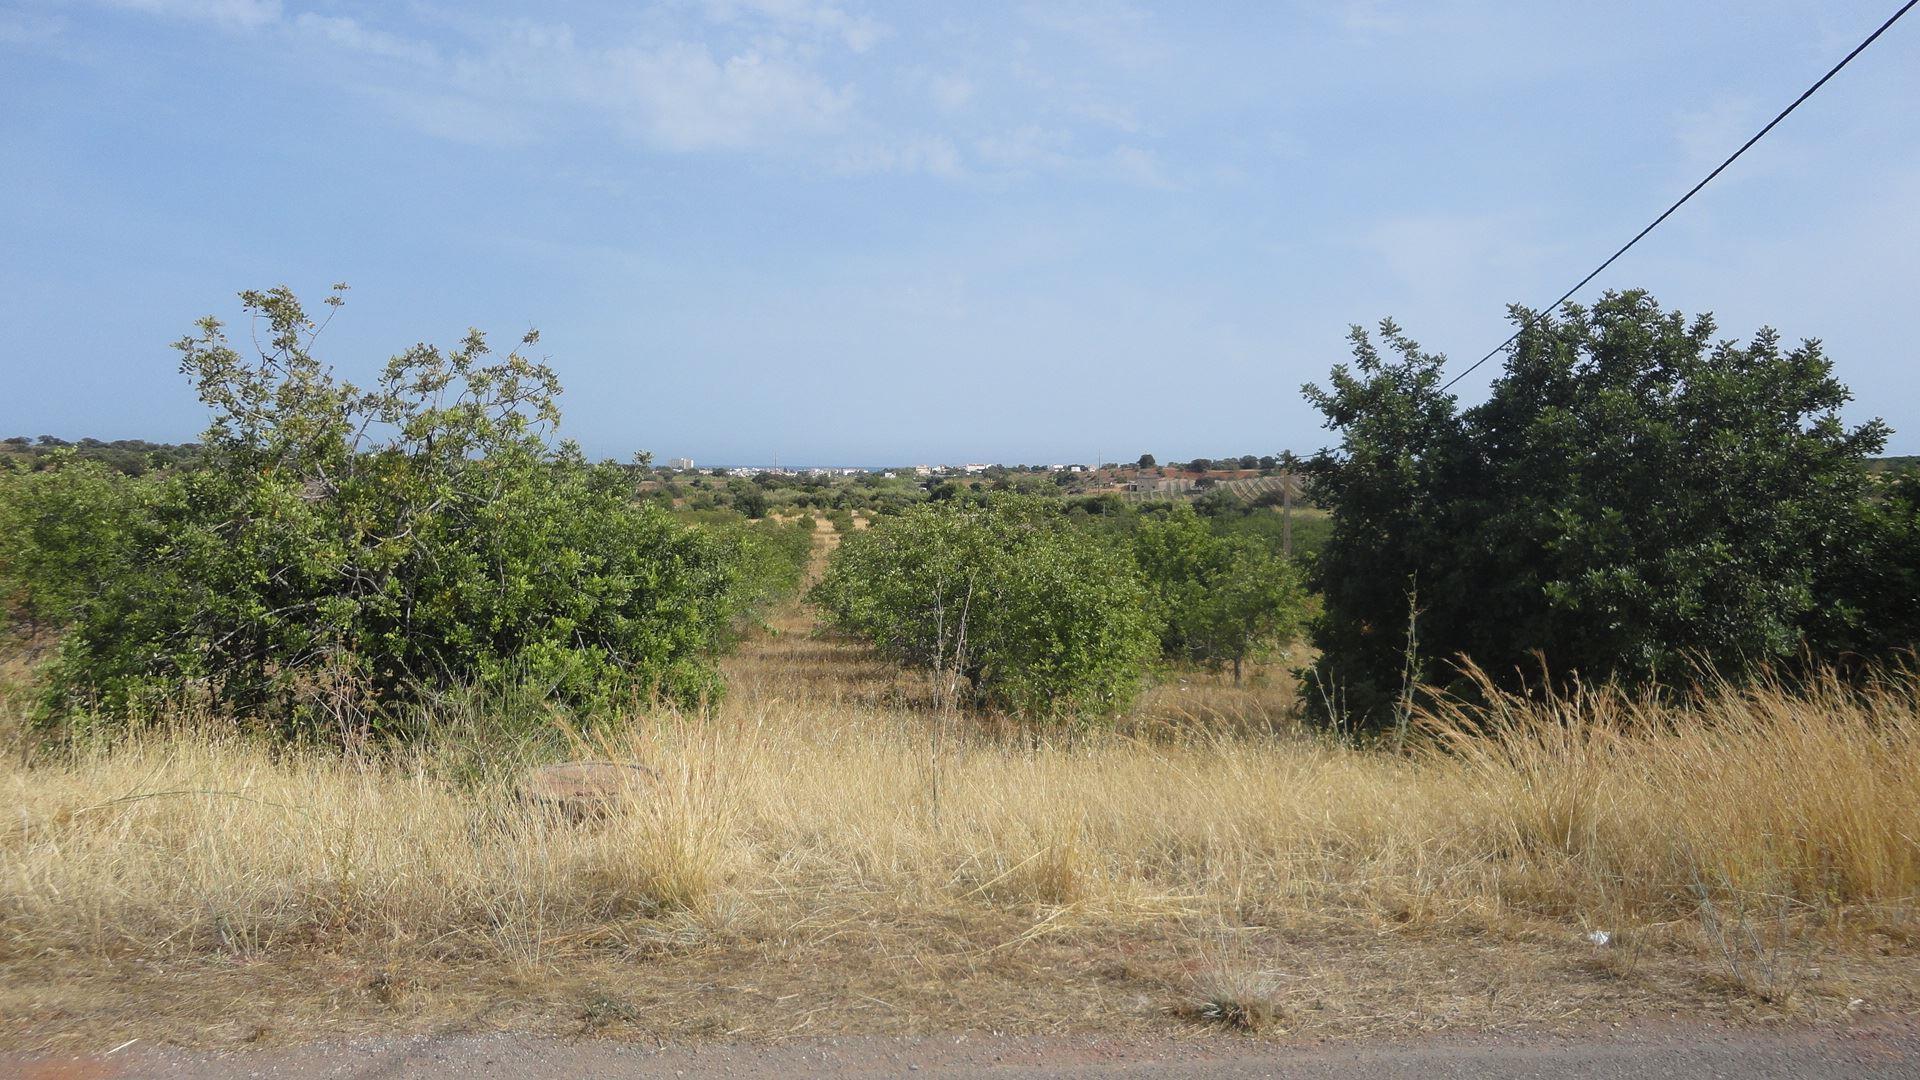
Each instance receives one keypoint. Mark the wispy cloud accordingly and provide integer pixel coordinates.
(1712, 132)
(682, 97)
(950, 92)
(1444, 255)
(1373, 17)
(675, 94)
(229, 12)
(858, 32)
(930, 154)
(774, 77)
(28, 29)
(351, 35)
(1117, 33)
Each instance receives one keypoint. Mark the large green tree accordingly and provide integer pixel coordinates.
(1637, 496)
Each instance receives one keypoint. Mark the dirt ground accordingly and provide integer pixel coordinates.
(1680, 1051)
(921, 974)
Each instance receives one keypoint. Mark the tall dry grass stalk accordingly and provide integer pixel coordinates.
(1595, 808)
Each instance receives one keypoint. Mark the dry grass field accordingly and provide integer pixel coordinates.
(823, 856)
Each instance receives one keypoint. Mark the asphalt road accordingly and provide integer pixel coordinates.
(1890, 1049)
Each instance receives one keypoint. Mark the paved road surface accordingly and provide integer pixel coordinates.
(1884, 1050)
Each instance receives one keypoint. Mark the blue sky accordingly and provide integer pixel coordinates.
(841, 232)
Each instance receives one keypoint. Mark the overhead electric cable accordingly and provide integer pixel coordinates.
(1744, 147)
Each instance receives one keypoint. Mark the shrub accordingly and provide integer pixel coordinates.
(343, 552)
(65, 528)
(1035, 616)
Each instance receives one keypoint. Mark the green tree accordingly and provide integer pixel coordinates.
(749, 498)
(1000, 596)
(342, 552)
(1634, 498)
(1222, 599)
(1147, 461)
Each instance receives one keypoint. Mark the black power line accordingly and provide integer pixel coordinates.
(1744, 147)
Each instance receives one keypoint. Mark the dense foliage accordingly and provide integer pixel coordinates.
(67, 532)
(1221, 598)
(1002, 599)
(1634, 499)
(1871, 578)
(135, 457)
(341, 553)
(769, 559)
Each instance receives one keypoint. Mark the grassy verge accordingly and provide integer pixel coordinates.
(820, 856)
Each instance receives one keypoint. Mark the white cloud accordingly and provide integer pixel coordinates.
(1133, 165)
(930, 154)
(456, 118)
(1373, 17)
(675, 94)
(858, 32)
(743, 76)
(1026, 148)
(350, 34)
(228, 12)
(1106, 114)
(682, 98)
(1036, 150)
(1118, 34)
(21, 28)
(950, 92)
(1709, 134)
(1452, 268)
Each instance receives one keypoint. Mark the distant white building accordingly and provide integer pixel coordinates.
(680, 463)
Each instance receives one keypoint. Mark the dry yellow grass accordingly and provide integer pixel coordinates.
(823, 856)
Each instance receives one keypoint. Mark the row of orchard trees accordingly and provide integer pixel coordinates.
(336, 558)
(1637, 500)
(1011, 603)
(339, 556)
